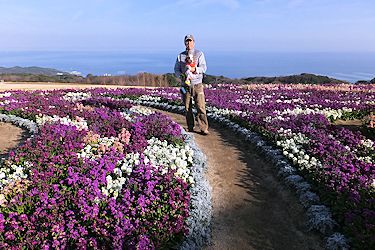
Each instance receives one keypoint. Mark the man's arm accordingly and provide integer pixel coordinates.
(201, 65)
(177, 68)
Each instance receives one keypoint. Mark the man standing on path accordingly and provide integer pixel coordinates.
(190, 66)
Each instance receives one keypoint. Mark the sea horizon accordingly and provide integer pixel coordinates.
(347, 66)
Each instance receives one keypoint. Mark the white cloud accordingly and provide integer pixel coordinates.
(354, 76)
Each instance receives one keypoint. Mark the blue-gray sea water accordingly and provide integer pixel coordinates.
(346, 66)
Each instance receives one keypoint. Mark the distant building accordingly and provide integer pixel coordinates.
(76, 73)
(106, 74)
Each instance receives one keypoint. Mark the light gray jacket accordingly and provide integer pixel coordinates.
(180, 66)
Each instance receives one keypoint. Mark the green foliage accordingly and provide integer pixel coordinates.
(168, 79)
(172, 80)
(65, 78)
(366, 82)
(303, 78)
(360, 114)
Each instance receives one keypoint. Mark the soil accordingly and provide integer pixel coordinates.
(10, 137)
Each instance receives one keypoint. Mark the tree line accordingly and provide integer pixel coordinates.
(169, 80)
(140, 79)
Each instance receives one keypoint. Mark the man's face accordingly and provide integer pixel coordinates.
(189, 44)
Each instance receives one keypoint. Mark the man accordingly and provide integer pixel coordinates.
(190, 66)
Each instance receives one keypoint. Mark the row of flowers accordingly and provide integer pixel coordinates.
(97, 173)
(338, 162)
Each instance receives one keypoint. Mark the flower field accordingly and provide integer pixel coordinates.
(298, 121)
(95, 174)
(103, 172)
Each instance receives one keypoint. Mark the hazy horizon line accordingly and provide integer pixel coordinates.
(180, 49)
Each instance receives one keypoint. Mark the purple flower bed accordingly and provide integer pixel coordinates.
(338, 162)
(55, 198)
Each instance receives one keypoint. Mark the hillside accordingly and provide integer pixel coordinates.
(303, 78)
(39, 74)
(366, 82)
(31, 70)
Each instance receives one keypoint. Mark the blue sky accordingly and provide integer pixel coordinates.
(228, 25)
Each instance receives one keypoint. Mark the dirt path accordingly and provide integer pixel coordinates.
(10, 137)
(251, 208)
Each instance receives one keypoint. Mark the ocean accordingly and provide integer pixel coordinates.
(345, 66)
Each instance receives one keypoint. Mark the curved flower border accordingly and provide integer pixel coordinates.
(319, 215)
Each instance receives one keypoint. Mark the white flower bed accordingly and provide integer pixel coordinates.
(164, 155)
(149, 98)
(5, 94)
(292, 146)
(7, 102)
(248, 100)
(12, 172)
(79, 122)
(141, 110)
(161, 155)
(25, 123)
(369, 147)
(327, 112)
(76, 96)
(223, 112)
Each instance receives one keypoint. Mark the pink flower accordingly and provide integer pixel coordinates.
(124, 136)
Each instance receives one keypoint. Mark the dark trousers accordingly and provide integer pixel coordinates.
(196, 92)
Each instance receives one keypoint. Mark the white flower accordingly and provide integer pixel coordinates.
(79, 122)
(105, 191)
(2, 199)
(368, 143)
(146, 160)
(141, 110)
(117, 171)
(109, 181)
(76, 96)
